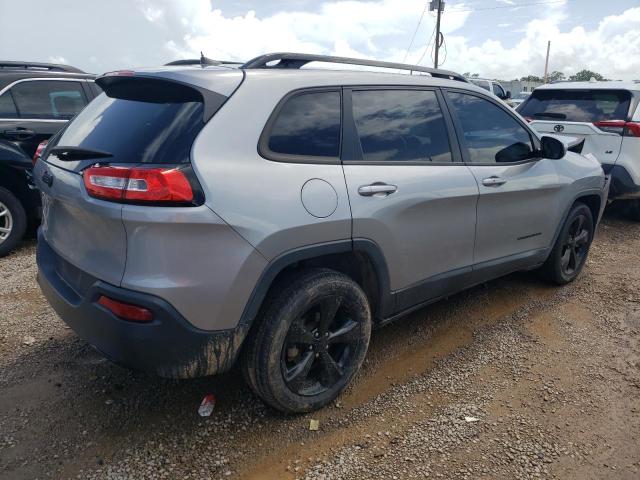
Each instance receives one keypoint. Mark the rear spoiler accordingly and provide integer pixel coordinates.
(129, 85)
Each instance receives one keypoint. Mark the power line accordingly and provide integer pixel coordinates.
(426, 47)
(413, 37)
(515, 5)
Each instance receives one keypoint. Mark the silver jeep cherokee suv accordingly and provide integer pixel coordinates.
(194, 215)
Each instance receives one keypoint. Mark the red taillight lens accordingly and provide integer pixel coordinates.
(627, 129)
(144, 185)
(611, 126)
(41, 146)
(528, 119)
(632, 129)
(126, 311)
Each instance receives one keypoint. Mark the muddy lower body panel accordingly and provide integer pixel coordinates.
(168, 345)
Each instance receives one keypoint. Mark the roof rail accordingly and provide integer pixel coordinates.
(48, 67)
(298, 60)
(202, 61)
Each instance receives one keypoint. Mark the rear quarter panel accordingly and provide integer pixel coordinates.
(260, 198)
(192, 259)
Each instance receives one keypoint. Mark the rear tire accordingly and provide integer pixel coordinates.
(311, 339)
(571, 249)
(13, 221)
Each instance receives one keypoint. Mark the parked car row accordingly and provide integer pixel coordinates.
(196, 215)
(36, 101)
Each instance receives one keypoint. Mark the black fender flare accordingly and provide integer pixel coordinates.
(565, 215)
(279, 263)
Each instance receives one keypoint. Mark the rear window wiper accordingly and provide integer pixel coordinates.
(559, 116)
(77, 153)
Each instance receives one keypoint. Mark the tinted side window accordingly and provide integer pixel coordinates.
(490, 133)
(499, 91)
(7, 107)
(308, 125)
(401, 125)
(48, 99)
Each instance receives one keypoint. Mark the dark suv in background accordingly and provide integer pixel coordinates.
(36, 101)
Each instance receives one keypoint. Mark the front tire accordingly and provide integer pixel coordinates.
(312, 338)
(13, 221)
(571, 249)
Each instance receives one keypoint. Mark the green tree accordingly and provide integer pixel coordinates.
(555, 76)
(585, 76)
(531, 78)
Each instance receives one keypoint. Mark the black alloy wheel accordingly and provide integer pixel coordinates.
(319, 347)
(570, 251)
(575, 245)
(311, 338)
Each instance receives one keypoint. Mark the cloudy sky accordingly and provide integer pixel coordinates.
(495, 38)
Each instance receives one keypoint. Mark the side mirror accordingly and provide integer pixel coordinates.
(508, 94)
(552, 148)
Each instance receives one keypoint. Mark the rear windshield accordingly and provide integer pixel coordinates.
(577, 105)
(482, 84)
(149, 122)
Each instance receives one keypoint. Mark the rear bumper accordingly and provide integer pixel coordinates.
(622, 184)
(168, 346)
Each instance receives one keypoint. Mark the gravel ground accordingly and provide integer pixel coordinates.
(512, 379)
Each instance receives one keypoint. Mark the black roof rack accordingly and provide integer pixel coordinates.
(298, 60)
(46, 67)
(203, 61)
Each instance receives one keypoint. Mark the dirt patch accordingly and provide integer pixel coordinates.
(512, 379)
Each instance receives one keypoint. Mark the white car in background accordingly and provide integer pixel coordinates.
(607, 116)
(491, 86)
(518, 99)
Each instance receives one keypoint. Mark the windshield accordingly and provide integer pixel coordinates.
(577, 105)
(481, 83)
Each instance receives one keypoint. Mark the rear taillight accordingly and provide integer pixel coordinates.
(632, 129)
(41, 146)
(627, 129)
(528, 119)
(139, 185)
(126, 311)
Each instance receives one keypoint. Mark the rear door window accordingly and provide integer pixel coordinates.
(144, 121)
(577, 105)
(7, 106)
(48, 99)
(491, 135)
(308, 125)
(401, 126)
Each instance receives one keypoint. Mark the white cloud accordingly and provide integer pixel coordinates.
(611, 49)
(379, 28)
(350, 27)
(57, 59)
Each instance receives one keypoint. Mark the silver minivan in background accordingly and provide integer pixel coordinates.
(194, 215)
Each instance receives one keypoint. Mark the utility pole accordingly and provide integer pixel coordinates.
(546, 63)
(437, 5)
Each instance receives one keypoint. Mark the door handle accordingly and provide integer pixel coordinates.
(20, 133)
(377, 189)
(493, 181)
